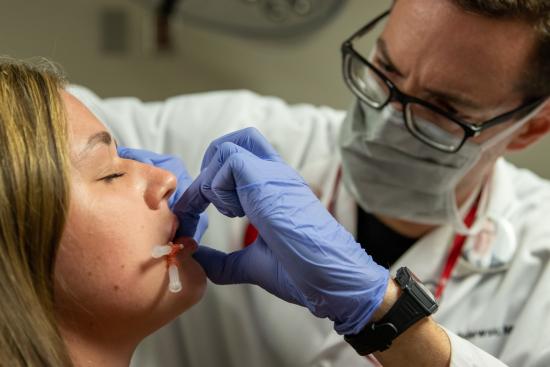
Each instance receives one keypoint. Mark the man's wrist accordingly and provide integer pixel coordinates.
(393, 291)
(405, 303)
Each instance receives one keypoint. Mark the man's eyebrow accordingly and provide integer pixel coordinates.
(454, 99)
(383, 47)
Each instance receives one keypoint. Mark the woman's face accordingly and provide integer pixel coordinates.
(106, 279)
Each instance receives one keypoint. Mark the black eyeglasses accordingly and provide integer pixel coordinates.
(425, 121)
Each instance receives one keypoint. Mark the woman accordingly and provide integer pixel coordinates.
(77, 226)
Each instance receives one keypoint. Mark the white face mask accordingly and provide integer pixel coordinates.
(390, 172)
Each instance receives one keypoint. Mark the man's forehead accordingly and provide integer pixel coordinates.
(440, 22)
(439, 41)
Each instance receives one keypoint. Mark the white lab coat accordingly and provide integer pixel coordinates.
(498, 298)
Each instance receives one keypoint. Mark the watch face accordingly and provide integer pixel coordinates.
(421, 285)
(422, 294)
(426, 291)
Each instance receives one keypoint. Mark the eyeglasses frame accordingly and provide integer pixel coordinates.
(470, 129)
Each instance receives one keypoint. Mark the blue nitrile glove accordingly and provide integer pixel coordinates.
(175, 165)
(302, 255)
(249, 138)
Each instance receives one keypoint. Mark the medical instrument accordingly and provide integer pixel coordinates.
(160, 251)
(170, 251)
(174, 284)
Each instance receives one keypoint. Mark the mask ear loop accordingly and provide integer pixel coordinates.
(170, 251)
(515, 127)
(458, 223)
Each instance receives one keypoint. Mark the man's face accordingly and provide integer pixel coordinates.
(463, 62)
(468, 64)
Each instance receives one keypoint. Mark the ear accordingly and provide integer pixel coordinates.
(533, 130)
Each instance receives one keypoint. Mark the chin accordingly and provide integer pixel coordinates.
(171, 305)
(193, 280)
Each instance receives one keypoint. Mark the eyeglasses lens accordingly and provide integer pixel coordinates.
(434, 127)
(368, 83)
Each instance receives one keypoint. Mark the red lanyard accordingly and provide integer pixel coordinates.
(454, 255)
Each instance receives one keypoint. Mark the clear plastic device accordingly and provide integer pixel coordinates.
(170, 251)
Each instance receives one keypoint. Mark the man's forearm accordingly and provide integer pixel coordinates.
(423, 344)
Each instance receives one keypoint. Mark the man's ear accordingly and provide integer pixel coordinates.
(533, 130)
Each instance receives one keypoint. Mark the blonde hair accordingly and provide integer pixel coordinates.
(34, 197)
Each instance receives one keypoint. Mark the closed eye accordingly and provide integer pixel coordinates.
(112, 177)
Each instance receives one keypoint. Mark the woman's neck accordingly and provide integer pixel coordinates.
(86, 349)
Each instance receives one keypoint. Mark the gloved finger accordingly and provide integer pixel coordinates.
(253, 265)
(249, 138)
(202, 226)
(198, 196)
(127, 153)
(246, 180)
(141, 155)
(235, 168)
(165, 161)
(168, 162)
(226, 201)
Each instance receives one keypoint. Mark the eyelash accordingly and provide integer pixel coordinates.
(385, 66)
(110, 178)
(446, 107)
(388, 68)
(453, 111)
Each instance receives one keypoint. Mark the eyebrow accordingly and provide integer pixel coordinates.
(451, 98)
(454, 99)
(383, 47)
(102, 137)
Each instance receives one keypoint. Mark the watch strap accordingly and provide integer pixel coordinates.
(378, 335)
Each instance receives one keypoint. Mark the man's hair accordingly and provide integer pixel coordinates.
(537, 14)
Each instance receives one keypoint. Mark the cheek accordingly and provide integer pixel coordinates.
(104, 264)
(119, 290)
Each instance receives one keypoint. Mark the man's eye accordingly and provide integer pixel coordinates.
(449, 109)
(453, 111)
(385, 66)
(112, 177)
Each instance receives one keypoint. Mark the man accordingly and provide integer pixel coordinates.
(450, 86)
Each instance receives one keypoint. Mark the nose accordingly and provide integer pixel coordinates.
(161, 184)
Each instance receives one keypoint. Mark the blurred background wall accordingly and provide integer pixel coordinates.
(76, 34)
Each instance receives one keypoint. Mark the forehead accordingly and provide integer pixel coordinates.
(443, 40)
(82, 123)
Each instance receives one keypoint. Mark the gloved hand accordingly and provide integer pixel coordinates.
(302, 255)
(175, 165)
(188, 209)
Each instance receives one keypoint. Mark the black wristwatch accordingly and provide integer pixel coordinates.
(414, 303)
